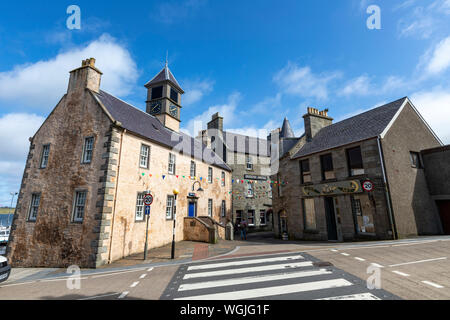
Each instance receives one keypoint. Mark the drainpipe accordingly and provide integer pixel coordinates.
(115, 195)
(387, 191)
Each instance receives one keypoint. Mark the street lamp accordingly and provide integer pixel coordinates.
(13, 194)
(175, 193)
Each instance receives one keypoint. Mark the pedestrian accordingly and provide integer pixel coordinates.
(243, 228)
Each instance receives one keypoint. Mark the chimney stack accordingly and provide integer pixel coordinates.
(85, 77)
(216, 122)
(315, 120)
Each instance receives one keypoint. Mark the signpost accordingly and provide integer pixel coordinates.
(148, 200)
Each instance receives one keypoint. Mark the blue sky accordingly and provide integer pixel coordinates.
(255, 62)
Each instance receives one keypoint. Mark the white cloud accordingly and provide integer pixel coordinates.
(41, 84)
(358, 86)
(194, 91)
(15, 129)
(439, 59)
(434, 106)
(301, 81)
(227, 111)
(170, 12)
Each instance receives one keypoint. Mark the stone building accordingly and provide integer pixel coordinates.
(90, 165)
(436, 163)
(360, 178)
(249, 159)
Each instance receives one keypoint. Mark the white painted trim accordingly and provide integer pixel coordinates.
(393, 119)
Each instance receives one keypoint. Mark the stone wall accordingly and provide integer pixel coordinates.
(437, 171)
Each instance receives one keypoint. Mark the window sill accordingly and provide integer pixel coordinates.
(139, 221)
(329, 180)
(311, 231)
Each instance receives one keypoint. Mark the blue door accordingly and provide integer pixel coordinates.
(191, 209)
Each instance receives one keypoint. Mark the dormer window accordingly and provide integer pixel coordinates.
(174, 95)
(157, 92)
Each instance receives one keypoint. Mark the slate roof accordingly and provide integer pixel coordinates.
(286, 130)
(245, 144)
(147, 126)
(363, 126)
(164, 75)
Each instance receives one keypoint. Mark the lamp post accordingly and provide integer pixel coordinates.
(13, 194)
(175, 193)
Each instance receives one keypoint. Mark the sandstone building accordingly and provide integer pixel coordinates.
(249, 159)
(360, 178)
(91, 163)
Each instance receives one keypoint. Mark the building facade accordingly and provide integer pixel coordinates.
(249, 159)
(90, 165)
(360, 178)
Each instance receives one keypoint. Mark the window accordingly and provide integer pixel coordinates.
(262, 218)
(171, 163)
(309, 214)
(270, 191)
(157, 92)
(223, 208)
(210, 207)
(355, 163)
(223, 179)
(416, 161)
(249, 190)
(327, 167)
(35, 200)
(249, 163)
(210, 175)
(363, 219)
(251, 217)
(305, 173)
(238, 216)
(174, 95)
(169, 207)
(44, 157)
(145, 152)
(88, 147)
(140, 207)
(79, 206)
(193, 169)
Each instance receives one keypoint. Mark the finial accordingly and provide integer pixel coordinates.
(167, 58)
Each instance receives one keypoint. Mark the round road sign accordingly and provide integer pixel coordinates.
(148, 199)
(368, 185)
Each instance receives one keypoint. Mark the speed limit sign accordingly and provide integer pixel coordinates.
(368, 185)
(148, 199)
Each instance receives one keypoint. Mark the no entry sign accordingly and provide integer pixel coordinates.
(148, 199)
(367, 185)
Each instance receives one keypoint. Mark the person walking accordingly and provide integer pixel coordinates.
(243, 228)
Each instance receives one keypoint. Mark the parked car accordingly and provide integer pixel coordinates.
(5, 269)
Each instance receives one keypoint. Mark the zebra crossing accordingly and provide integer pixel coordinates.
(290, 276)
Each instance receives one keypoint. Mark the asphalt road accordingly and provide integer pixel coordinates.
(410, 269)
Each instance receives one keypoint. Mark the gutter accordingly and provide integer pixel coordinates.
(387, 191)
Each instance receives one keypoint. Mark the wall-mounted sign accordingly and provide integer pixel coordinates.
(333, 188)
(253, 177)
(367, 186)
(148, 199)
(192, 195)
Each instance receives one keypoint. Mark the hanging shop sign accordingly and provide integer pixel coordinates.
(333, 188)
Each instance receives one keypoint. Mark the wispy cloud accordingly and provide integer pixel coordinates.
(195, 90)
(176, 11)
(437, 60)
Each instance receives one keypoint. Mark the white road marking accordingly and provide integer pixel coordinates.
(433, 284)
(334, 250)
(143, 276)
(134, 284)
(101, 296)
(360, 259)
(150, 269)
(104, 274)
(272, 291)
(345, 254)
(246, 280)
(59, 279)
(401, 273)
(414, 243)
(377, 265)
(244, 262)
(359, 296)
(246, 270)
(414, 262)
(123, 294)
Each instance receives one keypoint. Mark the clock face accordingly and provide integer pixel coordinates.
(155, 108)
(173, 110)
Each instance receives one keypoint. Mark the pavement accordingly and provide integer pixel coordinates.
(413, 269)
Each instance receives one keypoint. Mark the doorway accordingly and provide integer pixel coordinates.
(444, 212)
(331, 219)
(192, 213)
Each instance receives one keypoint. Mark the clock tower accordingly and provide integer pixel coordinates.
(164, 99)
